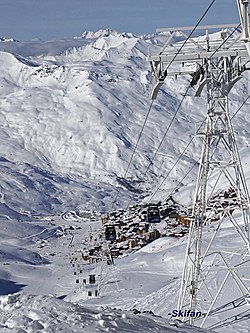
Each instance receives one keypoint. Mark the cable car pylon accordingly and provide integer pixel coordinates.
(215, 284)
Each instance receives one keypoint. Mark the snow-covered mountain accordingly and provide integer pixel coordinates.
(71, 113)
(76, 114)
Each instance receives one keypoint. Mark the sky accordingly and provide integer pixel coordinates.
(48, 19)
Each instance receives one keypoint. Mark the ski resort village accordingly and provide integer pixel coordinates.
(124, 176)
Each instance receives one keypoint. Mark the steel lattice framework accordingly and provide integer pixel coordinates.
(220, 167)
(216, 274)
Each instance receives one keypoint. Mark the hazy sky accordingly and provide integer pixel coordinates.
(46, 19)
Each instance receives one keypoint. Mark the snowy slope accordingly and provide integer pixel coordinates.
(71, 112)
(77, 115)
(47, 314)
(45, 297)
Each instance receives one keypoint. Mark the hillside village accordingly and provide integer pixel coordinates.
(123, 232)
(120, 233)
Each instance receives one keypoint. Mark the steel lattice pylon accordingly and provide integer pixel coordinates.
(221, 200)
(215, 284)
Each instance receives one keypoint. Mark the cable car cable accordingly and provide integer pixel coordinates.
(147, 115)
(174, 165)
(183, 152)
(135, 148)
(190, 34)
(216, 50)
(163, 138)
(166, 132)
(181, 181)
(240, 106)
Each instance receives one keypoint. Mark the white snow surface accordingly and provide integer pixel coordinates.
(48, 314)
(71, 112)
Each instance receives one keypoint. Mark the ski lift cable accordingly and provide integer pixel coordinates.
(195, 163)
(147, 115)
(135, 148)
(216, 50)
(240, 106)
(164, 136)
(181, 181)
(166, 132)
(139, 137)
(184, 151)
(175, 114)
(246, 63)
(183, 178)
(190, 34)
(174, 165)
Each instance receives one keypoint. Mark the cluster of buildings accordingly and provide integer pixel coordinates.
(123, 232)
(127, 231)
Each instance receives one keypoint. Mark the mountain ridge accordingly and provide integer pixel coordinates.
(79, 113)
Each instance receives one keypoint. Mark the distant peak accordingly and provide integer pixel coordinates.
(105, 33)
(4, 39)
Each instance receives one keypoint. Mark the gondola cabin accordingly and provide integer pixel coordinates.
(153, 214)
(110, 233)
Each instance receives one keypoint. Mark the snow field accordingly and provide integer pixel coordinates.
(71, 112)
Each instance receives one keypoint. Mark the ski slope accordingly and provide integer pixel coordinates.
(71, 112)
